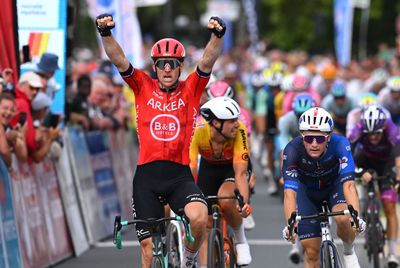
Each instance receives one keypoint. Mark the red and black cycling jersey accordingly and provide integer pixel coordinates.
(165, 121)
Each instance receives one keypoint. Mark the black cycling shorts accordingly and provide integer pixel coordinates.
(211, 176)
(158, 181)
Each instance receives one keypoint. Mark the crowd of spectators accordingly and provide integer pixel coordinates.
(28, 128)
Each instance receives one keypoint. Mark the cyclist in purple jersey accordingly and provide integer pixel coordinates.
(377, 147)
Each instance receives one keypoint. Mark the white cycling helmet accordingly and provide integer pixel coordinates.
(316, 119)
(394, 83)
(220, 108)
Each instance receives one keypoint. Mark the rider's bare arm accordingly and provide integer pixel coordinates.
(350, 193)
(111, 47)
(213, 48)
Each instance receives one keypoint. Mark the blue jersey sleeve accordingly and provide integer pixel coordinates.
(343, 153)
(290, 167)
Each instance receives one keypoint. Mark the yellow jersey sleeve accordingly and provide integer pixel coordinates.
(241, 145)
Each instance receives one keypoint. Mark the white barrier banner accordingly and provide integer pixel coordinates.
(84, 179)
(71, 205)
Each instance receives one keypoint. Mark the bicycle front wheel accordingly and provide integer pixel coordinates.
(229, 250)
(157, 262)
(172, 244)
(373, 241)
(215, 253)
(328, 256)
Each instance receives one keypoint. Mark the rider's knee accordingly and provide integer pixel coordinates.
(343, 222)
(198, 216)
(312, 254)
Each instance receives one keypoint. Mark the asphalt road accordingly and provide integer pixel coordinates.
(267, 246)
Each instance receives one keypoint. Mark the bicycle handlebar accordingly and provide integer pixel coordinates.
(294, 218)
(118, 224)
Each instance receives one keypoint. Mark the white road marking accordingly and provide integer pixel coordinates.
(252, 242)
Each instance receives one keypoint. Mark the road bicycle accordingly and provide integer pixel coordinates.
(221, 251)
(375, 235)
(165, 239)
(328, 251)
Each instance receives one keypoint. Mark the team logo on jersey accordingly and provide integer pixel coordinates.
(291, 173)
(165, 127)
(245, 157)
(343, 162)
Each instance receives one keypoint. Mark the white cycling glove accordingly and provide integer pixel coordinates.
(285, 233)
(362, 225)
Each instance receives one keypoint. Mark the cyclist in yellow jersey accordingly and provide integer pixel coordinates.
(221, 141)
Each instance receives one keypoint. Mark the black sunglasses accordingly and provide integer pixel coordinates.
(318, 138)
(172, 64)
(376, 132)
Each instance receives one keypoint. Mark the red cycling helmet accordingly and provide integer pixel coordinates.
(168, 48)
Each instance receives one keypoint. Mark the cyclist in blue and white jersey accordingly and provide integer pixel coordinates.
(318, 166)
(288, 126)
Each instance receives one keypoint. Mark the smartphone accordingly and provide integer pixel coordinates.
(51, 120)
(22, 118)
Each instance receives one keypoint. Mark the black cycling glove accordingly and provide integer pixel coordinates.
(219, 33)
(104, 31)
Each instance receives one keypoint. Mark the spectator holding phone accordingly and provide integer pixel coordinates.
(28, 86)
(40, 108)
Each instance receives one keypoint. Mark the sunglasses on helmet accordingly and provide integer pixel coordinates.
(173, 64)
(318, 138)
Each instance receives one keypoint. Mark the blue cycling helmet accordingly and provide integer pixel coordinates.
(373, 119)
(338, 89)
(302, 102)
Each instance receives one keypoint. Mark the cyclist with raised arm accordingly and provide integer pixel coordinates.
(166, 112)
(318, 166)
(377, 147)
(221, 141)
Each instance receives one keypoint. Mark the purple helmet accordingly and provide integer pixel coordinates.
(373, 119)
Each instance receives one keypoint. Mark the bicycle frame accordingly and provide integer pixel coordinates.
(220, 224)
(180, 231)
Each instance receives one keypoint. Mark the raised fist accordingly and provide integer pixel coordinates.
(217, 26)
(104, 24)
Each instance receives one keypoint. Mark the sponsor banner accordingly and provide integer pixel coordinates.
(84, 179)
(10, 255)
(71, 205)
(123, 170)
(59, 240)
(249, 7)
(104, 178)
(30, 217)
(343, 17)
(42, 26)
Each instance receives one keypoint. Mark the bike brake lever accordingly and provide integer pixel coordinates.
(291, 222)
(354, 215)
(239, 197)
(186, 226)
(117, 239)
